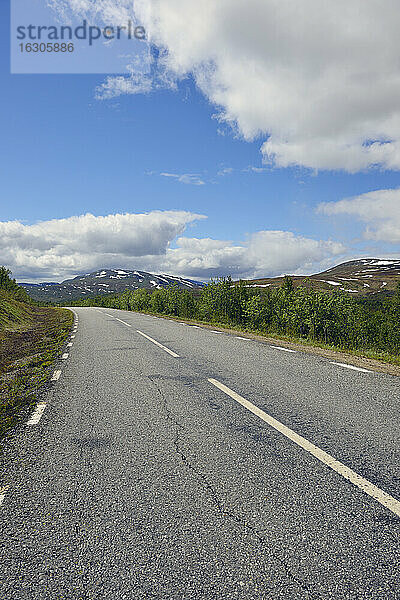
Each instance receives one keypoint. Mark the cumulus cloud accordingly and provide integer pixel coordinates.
(320, 80)
(379, 210)
(265, 254)
(61, 248)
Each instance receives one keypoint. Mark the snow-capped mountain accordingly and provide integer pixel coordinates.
(357, 277)
(105, 282)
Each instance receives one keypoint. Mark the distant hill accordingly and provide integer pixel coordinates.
(104, 282)
(357, 277)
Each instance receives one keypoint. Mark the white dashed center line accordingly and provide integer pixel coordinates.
(37, 415)
(363, 484)
(120, 320)
(158, 344)
(123, 322)
(283, 349)
(351, 367)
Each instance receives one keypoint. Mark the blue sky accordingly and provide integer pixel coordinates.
(65, 153)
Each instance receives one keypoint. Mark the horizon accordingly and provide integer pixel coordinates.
(381, 258)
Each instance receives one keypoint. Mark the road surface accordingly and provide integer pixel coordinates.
(167, 461)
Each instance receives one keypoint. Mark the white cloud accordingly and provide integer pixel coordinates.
(380, 210)
(320, 80)
(62, 247)
(265, 254)
(119, 86)
(225, 171)
(252, 169)
(188, 178)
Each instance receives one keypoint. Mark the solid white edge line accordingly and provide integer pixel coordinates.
(72, 337)
(69, 345)
(352, 367)
(37, 415)
(242, 338)
(281, 348)
(56, 376)
(158, 344)
(65, 356)
(363, 484)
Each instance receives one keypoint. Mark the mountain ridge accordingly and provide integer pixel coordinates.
(104, 282)
(362, 276)
(356, 277)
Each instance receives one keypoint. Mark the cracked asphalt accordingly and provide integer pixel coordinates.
(144, 481)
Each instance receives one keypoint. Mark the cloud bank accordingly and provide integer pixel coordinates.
(319, 80)
(61, 248)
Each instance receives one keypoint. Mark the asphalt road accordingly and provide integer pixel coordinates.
(139, 478)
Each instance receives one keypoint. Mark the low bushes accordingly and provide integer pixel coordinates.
(335, 319)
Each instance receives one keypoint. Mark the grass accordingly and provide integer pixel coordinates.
(13, 314)
(31, 338)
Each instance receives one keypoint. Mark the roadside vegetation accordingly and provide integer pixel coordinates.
(31, 337)
(335, 320)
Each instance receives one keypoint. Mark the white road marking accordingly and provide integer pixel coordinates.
(69, 345)
(158, 344)
(120, 320)
(363, 484)
(284, 349)
(123, 322)
(211, 331)
(37, 415)
(3, 492)
(242, 338)
(56, 376)
(72, 337)
(351, 367)
(195, 326)
(65, 356)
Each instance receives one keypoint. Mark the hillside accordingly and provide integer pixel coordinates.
(31, 338)
(357, 277)
(13, 314)
(104, 283)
